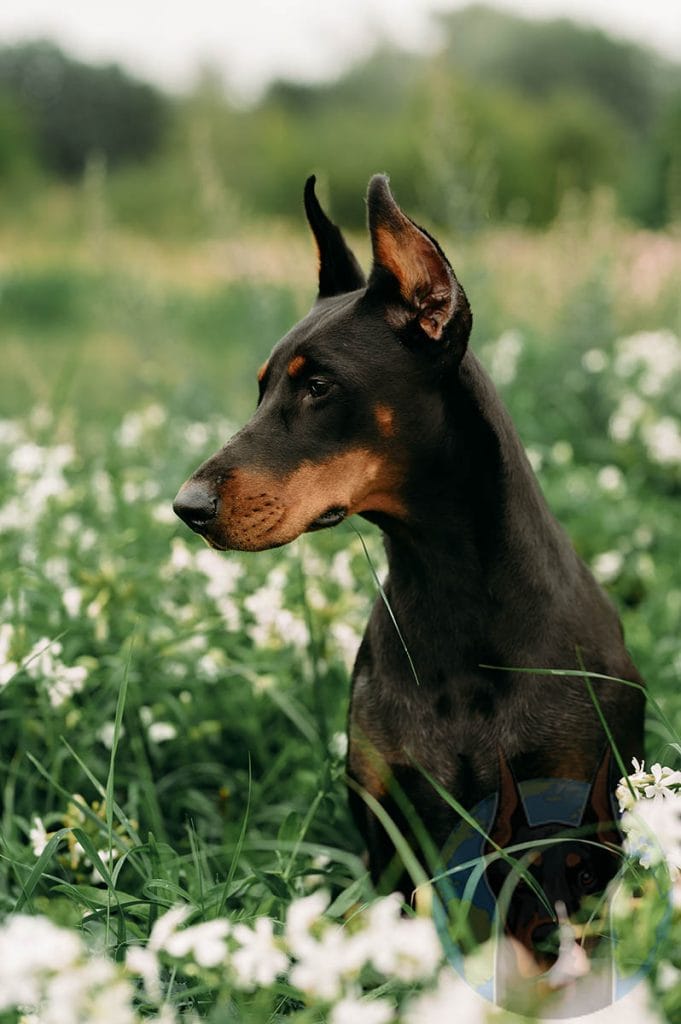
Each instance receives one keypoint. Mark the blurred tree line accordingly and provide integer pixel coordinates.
(498, 125)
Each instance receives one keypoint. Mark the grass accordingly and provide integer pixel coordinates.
(175, 718)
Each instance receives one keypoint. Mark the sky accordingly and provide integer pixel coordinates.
(252, 41)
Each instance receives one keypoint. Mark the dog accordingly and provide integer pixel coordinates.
(374, 405)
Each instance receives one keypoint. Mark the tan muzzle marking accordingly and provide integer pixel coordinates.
(260, 510)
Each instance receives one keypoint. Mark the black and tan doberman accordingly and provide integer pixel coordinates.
(374, 404)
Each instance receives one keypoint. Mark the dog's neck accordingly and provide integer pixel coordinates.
(485, 543)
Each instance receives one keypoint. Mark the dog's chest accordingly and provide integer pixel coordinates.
(449, 729)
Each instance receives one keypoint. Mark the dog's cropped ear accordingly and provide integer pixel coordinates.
(339, 271)
(598, 810)
(510, 813)
(413, 274)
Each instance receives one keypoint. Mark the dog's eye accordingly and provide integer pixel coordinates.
(586, 879)
(317, 388)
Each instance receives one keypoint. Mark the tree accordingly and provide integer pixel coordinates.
(77, 109)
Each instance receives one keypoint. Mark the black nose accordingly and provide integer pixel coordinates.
(196, 504)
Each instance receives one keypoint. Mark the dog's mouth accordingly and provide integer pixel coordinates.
(331, 517)
(211, 542)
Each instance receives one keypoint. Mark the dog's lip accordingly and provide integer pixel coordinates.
(334, 515)
(212, 543)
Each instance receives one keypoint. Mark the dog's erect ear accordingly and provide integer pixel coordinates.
(510, 812)
(339, 271)
(412, 272)
(598, 810)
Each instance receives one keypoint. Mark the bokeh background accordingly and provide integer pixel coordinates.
(178, 169)
(176, 717)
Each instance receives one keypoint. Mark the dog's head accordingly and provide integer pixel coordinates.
(567, 864)
(341, 392)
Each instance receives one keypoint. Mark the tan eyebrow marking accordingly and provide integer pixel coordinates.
(295, 366)
(572, 860)
(263, 370)
(385, 419)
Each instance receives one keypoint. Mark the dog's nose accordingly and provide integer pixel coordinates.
(196, 504)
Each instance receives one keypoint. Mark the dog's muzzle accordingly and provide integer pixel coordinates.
(196, 504)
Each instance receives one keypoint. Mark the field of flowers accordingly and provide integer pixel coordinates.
(175, 839)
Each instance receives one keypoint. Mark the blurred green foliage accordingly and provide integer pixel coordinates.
(75, 111)
(502, 120)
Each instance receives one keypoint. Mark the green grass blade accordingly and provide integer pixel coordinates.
(386, 602)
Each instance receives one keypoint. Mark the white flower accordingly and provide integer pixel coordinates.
(196, 435)
(161, 732)
(92, 991)
(610, 478)
(301, 916)
(56, 570)
(167, 1015)
(341, 570)
(625, 798)
(72, 599)
(656, 353)
(643, 536)
(346, 640)
(324, 963)
(106, 732)
(661, 781)
(10, 433)
(645, 566)
(274, 625)
(259, 959)
(144, 962)
(595, 360)
(408, 948)
(503, 357)
(535, 458)
(452, 1000)
(628, 413)
(181, 558)
(607, 566)
(162, 512)
(102, 488)
(27, 459)
(362, 1011)
(166, 925)
(31, 948)
(61, 681)
(211, 664)
(653, 832)
(401, 947)
(663, 440)
(205, 942)
(668, 976)
(42, 658)
(222, 575)
(338, 745)
(562, 453)
(66, 681)
(38, 836)
(136, 424)
(8, 668)
(107, 857)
